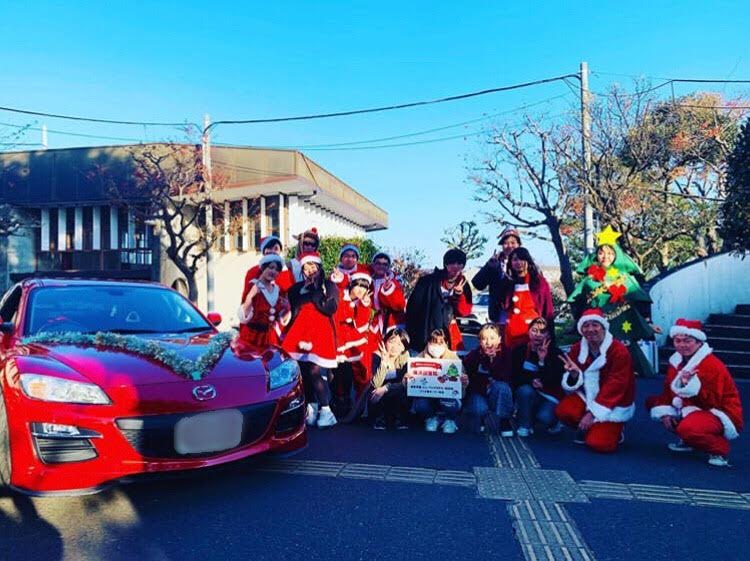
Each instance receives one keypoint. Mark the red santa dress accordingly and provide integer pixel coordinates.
(311, 333)
(520, 316)
(708, 407)
(260, 327)
(606, 388)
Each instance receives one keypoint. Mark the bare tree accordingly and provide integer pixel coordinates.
(524, 178)
(169, 187)
(11, 221)
(466, 237)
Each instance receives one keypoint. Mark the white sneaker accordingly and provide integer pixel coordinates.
(312, 414)
(719, 461)
(679, 446)
(326, 417)
(524, 432)
(431, 424)
(449, 427)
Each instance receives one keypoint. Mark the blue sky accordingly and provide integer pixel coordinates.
(175, 61)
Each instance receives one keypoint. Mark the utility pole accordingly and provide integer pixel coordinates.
(588, 214)
(206, 155)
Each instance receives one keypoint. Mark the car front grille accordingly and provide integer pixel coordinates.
(153, 436)
(58, 450)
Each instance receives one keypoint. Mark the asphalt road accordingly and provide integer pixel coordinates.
(320, 512)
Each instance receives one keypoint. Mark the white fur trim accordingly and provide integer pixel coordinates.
(583, 354)
(305, 345)
(685, 411)
(355, 358)
(315, 359)
(611, 415)
(592, 317)
(310, 259)
(703, 351)
(661, 410)
(730, 431)
(677, 402)
(242, 317)
(691, 389)
(567, 386)
(682, 330)
(521, 288)
(390, 291)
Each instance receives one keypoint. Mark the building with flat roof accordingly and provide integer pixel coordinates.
(75, 227)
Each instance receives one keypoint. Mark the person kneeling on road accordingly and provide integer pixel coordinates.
(601, 378)
(489, 390)
(432, 409)
(700, 401)
(388, 403)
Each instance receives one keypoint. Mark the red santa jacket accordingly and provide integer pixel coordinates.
(608, 381)
(389, 305)
(711, 389)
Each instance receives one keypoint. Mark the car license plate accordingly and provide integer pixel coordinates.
(208, 432)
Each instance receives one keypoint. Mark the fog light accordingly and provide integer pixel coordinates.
(50, 429)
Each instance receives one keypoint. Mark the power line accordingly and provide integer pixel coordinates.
(687, 80)
(413, 134)
(68, 133)
(90, 119)
(391, 107)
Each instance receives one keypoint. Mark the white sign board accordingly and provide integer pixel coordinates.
(436, 378)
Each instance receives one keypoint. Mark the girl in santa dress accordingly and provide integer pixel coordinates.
(268, 246)
(524, 295)
(352, 323)
(262, 304)
(311, 335)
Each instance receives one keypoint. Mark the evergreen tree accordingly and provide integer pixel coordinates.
(735, 211)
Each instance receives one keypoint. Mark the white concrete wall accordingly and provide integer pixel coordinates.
(712, 286)
(303, 215)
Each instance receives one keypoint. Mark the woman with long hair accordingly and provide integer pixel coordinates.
(524, 295)
(263, 302)
(311, 335)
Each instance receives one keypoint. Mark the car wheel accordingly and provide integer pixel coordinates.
(5, 467)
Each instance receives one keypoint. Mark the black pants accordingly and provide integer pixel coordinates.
(394, 404)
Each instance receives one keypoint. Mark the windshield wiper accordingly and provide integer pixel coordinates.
(191, 329)
(133, 331)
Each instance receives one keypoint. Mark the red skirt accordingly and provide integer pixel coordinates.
(311, 338)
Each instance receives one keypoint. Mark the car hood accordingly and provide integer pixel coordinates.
(112, 368)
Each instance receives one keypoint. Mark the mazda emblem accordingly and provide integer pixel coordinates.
(204, 393)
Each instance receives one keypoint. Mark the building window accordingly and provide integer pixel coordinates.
(105, 228)
(88, 228)
(235, 225)
(53, 230)
(70, 229)
(272, 216)
(253, 223)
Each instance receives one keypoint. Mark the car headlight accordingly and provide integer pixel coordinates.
(283, 374)
(51, 388)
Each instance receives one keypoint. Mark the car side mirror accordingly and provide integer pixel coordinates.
(214, 318)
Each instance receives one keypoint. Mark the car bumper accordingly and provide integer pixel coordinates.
(107, 453)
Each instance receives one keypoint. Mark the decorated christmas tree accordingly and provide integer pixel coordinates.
(609, 281)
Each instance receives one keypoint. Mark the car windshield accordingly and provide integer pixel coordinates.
(119, 309)
(482, 299)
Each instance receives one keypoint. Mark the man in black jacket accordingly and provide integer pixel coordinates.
(437, 299)
(494, 270)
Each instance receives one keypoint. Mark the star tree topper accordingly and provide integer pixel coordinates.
(607, 236)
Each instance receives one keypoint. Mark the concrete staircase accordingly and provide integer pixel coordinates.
(729, 337)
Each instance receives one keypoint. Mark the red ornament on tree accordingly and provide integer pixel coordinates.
(616, 293)
(596, 272)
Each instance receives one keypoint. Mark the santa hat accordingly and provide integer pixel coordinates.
(360, 275)
(269, 240)
(691, 327)
(509, 231)
(271, 258)
(593, 314)
(349, 247)
(310, 257)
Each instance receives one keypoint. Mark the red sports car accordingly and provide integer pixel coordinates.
(102, 379)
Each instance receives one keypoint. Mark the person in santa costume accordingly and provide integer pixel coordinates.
(700, 401)
(437, 300)
(352, 321)
(494, 271)
(271, 245)
(388, 300)
(311, 335)
(342, 275)
(307, 241)
(599, 376)
(524, 296)
(262, 306)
